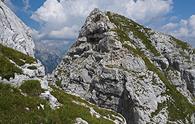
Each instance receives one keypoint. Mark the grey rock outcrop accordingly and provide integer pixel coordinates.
(121, 65)
(14, 33)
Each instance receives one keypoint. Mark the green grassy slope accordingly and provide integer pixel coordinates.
(16, 108)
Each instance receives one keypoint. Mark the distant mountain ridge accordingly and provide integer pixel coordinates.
(50, 53)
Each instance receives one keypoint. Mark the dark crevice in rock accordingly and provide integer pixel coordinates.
(6, 18)
(126, 108)
(175, 65)
(189, 78)
(126, 105)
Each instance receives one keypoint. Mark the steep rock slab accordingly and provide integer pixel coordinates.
(14, 33)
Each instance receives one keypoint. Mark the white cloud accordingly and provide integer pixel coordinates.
(59, 19)
(169, 26)
(26, 5)
(65, 32)
(147, 10)
(51, 14)
(192, 23)
(184, 29)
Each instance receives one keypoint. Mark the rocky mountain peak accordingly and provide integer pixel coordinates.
(145, 75)
(96, 23)
(96, 32)
(14, 33)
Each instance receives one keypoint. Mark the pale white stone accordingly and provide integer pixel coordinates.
(52, 100)
(80, 121)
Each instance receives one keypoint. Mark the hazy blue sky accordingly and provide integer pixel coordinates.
(61, 20)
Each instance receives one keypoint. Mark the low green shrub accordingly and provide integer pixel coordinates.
(31, 87)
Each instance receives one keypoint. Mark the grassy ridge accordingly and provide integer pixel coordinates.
(126, 25)
(181, 44)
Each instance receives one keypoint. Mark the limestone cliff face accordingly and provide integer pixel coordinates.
(14, 33)
(17, 62)
(145, 75)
